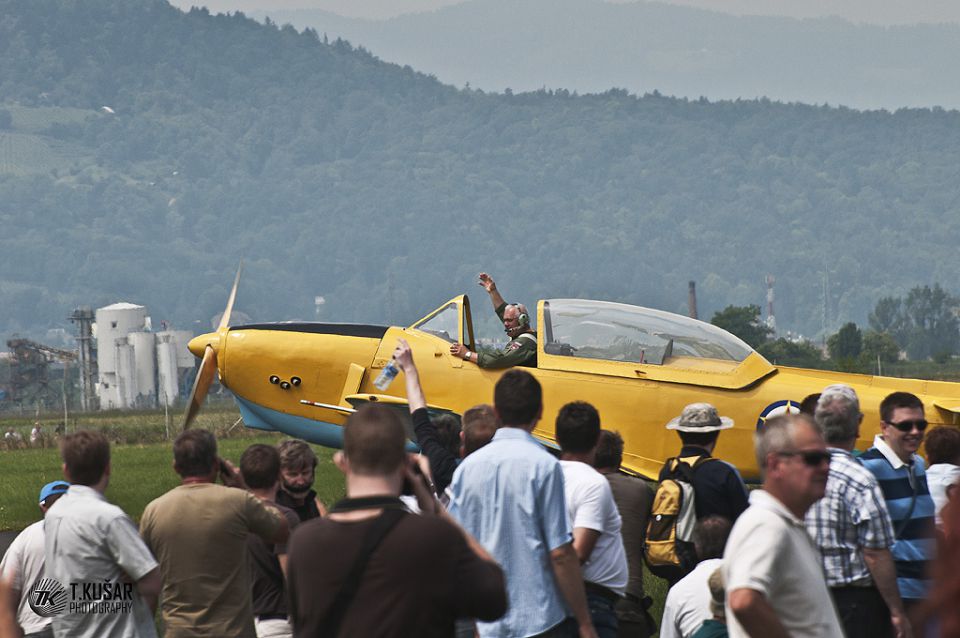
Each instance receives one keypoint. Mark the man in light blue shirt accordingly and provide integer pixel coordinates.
(509, 495)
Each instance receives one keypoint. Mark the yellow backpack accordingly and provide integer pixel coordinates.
(668, 549)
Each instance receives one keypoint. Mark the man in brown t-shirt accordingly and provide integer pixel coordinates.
(424, 573)
(198, 533)
(260, 468)
(633, 498)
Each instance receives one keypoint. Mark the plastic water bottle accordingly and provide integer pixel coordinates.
(386, 376)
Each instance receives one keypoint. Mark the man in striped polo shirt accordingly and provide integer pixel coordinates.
(901, 474)
(852, 528)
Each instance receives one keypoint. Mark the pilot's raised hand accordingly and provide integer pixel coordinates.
(487, 282)
(403, 355)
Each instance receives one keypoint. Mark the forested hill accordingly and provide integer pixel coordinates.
(332, 173)
(591, 45)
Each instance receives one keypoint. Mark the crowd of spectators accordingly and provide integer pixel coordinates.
(488, 533)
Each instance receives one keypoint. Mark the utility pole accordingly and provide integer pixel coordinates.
(692, 300)
(771, 318)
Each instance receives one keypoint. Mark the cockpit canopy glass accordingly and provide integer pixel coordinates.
(620, 332)
(443, 323)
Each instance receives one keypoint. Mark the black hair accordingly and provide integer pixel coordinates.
(260, 466)
(578, 427)
(699, 439)
(518, 398)
(195, 453)
(710, 536)
(609, 450)
(942, 444)
(898, 400)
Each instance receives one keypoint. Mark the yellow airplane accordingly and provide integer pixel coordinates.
(637, 365)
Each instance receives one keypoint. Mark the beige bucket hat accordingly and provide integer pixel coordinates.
(700, 417)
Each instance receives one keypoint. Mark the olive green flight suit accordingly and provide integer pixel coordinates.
(521, 351)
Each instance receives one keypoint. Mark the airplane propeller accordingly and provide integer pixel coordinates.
(208, 366)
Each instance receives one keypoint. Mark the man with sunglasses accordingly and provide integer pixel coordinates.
(851, 526)
(901, 473)
(775, 582)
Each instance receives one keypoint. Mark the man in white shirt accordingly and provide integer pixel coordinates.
(943, 475)
(109, 577)
(23, 566)
(593, 515)
(688, 602)
(775, 582)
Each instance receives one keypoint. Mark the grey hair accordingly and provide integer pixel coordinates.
(838, 414)
(522, 309)
(777, 435)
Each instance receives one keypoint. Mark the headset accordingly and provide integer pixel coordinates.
(523, 318)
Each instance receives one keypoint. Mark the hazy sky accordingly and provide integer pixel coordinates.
(872, 11)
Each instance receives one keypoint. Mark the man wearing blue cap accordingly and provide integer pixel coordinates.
(23, 566)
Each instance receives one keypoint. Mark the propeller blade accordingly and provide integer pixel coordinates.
(225, 318)
(201, 385)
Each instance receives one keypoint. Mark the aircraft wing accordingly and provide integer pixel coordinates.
(356, 400)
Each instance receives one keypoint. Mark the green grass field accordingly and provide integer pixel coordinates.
(139, 474)
(141, 456)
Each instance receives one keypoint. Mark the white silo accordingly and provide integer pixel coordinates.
(126, 373)
(185, 358)
(167, 386)
(180, 339)
(115, 322)
(144, 356)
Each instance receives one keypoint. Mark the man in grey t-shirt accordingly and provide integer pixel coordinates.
(110, 579)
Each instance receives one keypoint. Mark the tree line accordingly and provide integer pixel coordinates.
(921, 326)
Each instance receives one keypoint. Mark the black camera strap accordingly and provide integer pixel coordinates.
(393, 511)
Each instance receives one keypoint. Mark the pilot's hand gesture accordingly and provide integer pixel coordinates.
(459, 350)
(487, 282)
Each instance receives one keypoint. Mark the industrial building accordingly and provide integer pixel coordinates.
(138, 368)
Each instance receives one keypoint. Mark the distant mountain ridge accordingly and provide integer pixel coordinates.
(592, 46)
(333, 173)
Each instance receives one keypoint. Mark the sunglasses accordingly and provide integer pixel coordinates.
(813, 458)
(907, 426)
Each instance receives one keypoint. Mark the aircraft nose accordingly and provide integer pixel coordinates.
(199, 344)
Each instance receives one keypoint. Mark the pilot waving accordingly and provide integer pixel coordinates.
(522, 349)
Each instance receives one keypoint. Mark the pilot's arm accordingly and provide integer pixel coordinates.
(495, 298)
(522, 351)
